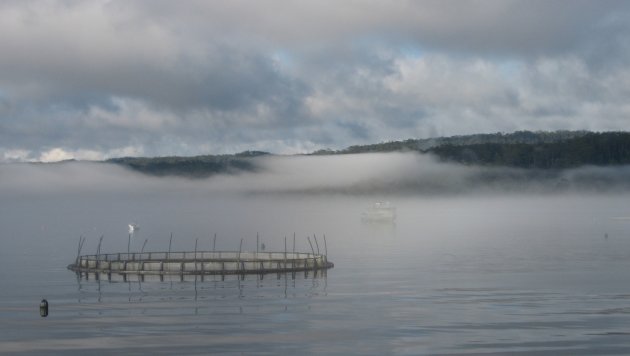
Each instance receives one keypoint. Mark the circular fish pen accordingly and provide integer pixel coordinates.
(200, 263)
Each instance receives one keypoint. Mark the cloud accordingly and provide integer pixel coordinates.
(59, 154)
(213, 77)
(497, 26)
(55, 155)
(15, 156)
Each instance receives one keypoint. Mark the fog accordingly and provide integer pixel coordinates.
(284, 195)
(384, 174)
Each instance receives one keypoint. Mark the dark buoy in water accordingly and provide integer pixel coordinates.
(606, 235)
(43, 308)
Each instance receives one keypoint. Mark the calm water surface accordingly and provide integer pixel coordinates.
(455, 275)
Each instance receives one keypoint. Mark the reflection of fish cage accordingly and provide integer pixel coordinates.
(199, 263)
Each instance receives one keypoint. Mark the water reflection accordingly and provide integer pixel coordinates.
(104, 288)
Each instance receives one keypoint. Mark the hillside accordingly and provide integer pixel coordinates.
(522, 149)
(423, 145)
(194, 167)
(598, 149)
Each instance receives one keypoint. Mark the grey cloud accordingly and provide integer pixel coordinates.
(165, 77)
(83, 53)
(538, 27)
(496, 26)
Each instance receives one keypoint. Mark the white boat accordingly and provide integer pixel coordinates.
(380, 211)
(133, 228)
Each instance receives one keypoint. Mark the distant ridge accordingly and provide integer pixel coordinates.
(423, 145)
(522, 149)
(595, 149)
(194, 167)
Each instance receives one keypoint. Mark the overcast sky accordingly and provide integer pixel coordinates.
(97, 79)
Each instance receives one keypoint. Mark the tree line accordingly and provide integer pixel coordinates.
(600, 149)
(194, 167)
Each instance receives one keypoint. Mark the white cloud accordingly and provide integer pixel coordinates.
(129, 151)
(59, 154)
(439, 82)
(55, 155)
(16, 155)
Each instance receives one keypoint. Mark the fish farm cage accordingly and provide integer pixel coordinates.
(200, 263)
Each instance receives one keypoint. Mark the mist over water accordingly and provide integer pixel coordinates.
(392, 174)
(478, 260)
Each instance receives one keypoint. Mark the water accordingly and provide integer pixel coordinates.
(454, 275)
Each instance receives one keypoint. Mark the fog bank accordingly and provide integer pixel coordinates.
(360, 174)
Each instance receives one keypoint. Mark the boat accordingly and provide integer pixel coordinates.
(380, 211)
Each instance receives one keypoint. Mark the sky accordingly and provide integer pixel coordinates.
(98, 79)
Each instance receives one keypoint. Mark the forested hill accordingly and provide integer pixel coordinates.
(599, 149)
(523, 149)
(194, 167)
(423, 145)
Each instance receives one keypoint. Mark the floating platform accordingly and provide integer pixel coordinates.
(200, 263)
